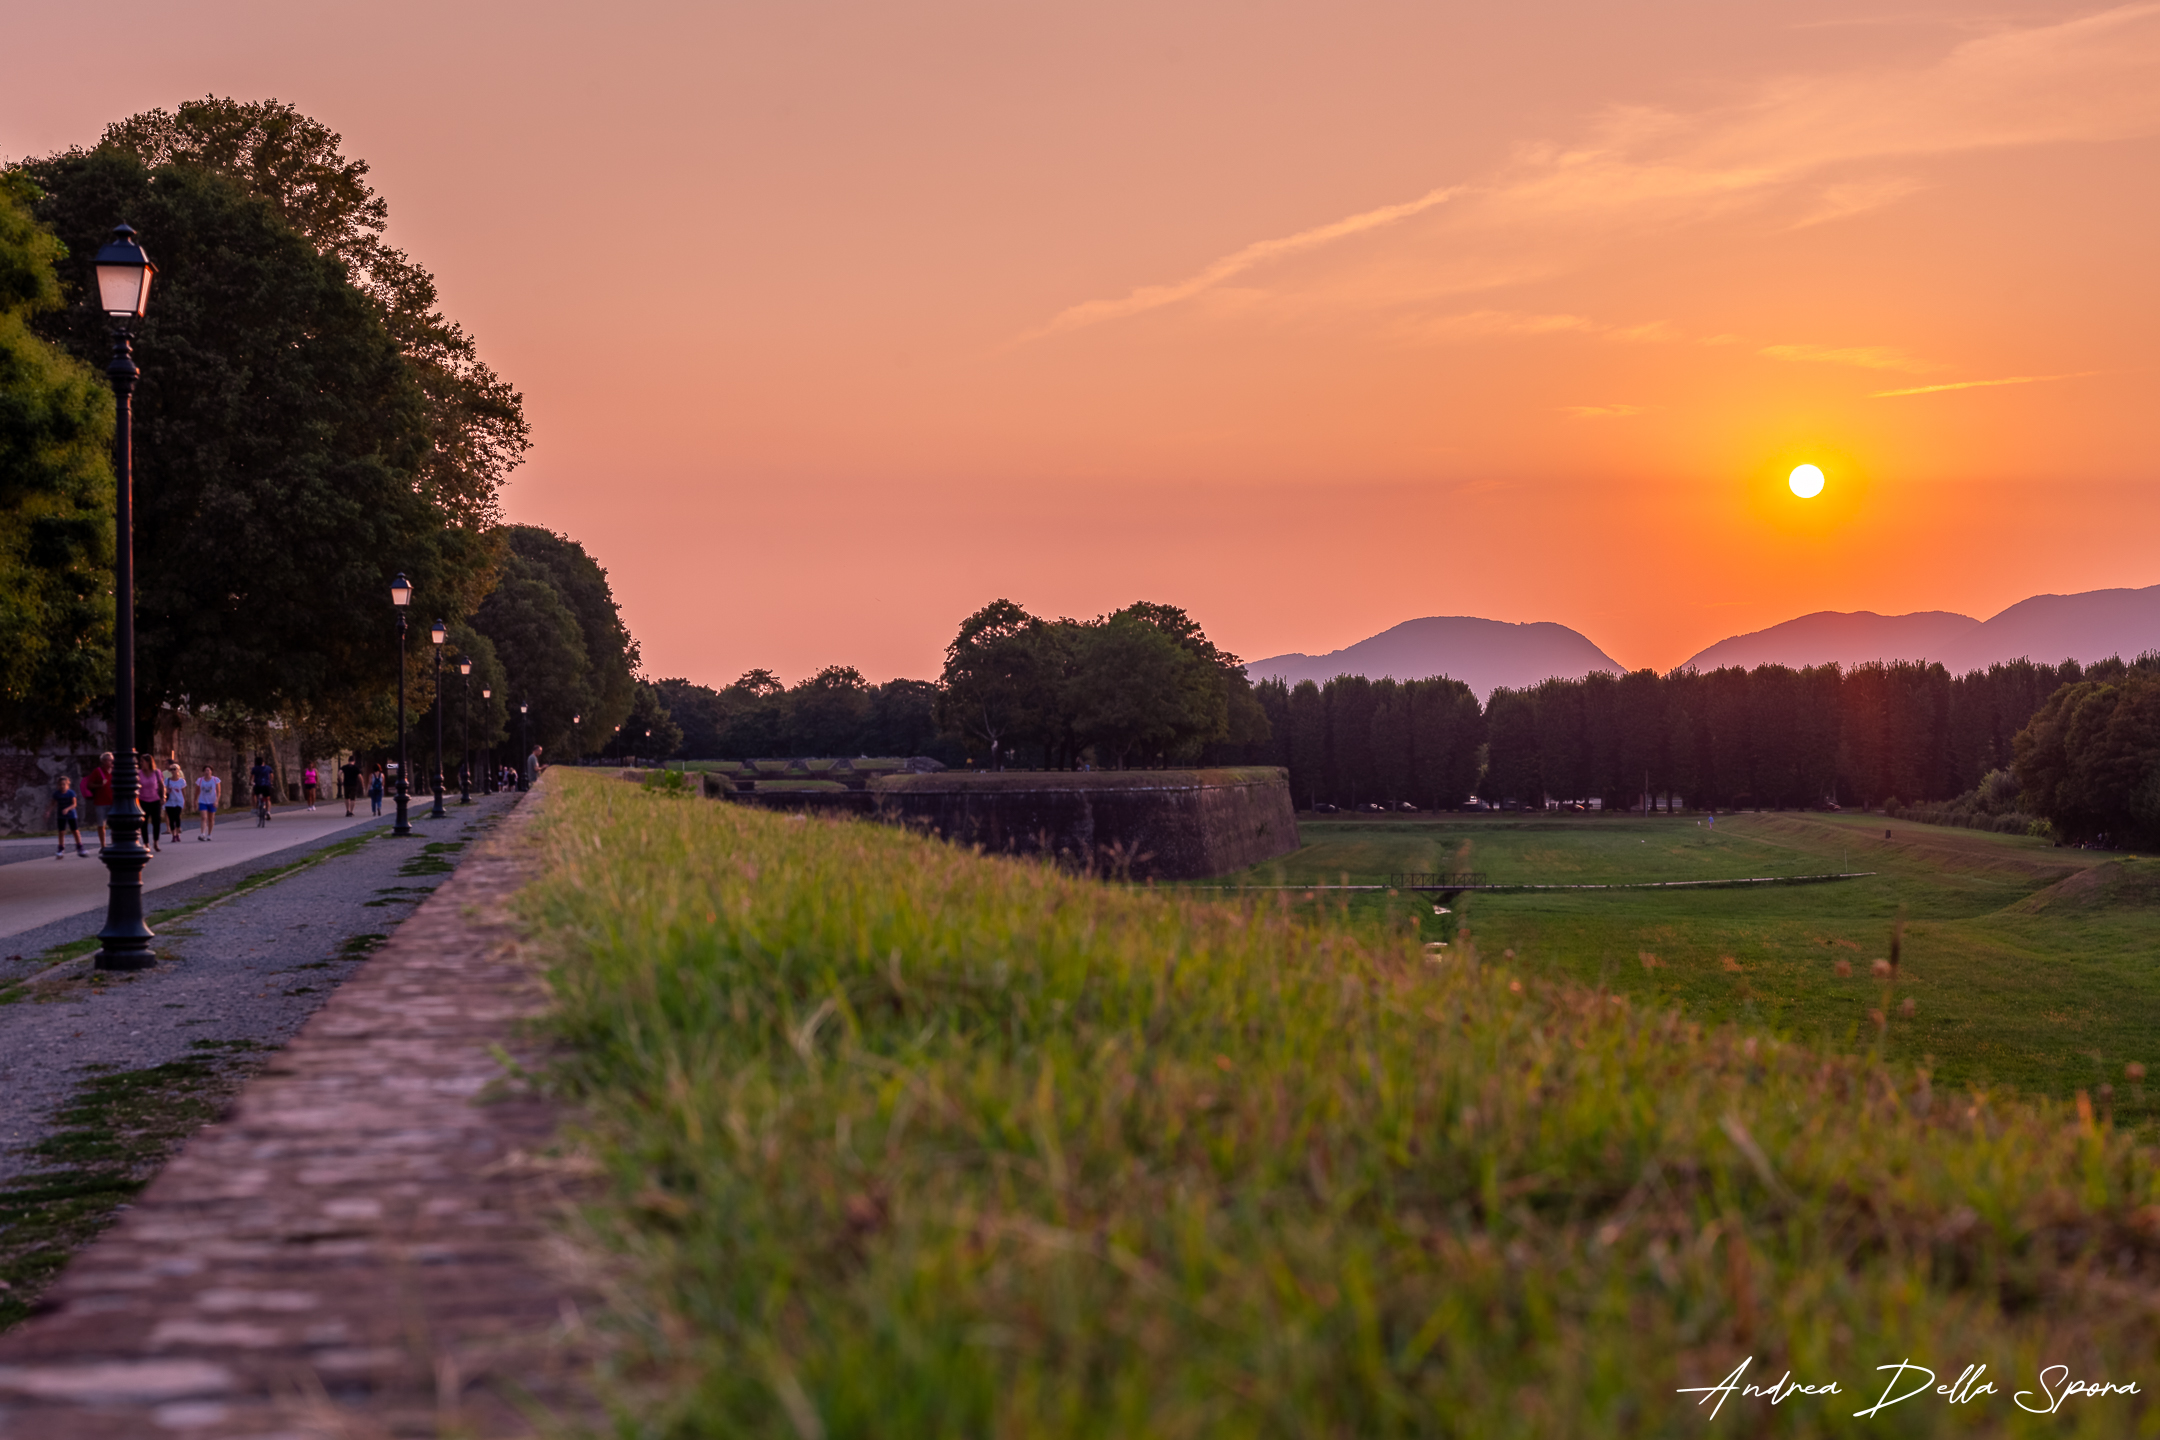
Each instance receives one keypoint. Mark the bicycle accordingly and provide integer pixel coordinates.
(262, 808)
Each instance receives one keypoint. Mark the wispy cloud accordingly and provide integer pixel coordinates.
(1154, 297)
(1867, 357)
(1488, 324)
(1981, 384)
(1804, 150)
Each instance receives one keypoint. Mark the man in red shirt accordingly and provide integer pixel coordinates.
(97, 790)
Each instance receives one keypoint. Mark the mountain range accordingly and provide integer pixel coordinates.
(1485, 654)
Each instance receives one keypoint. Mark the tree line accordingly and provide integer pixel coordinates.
(1771, 737)
(1141, 686)
(308, 424)
(2079, 745)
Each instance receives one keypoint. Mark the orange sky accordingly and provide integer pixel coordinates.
(835, 320)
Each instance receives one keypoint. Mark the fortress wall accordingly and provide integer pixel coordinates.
(1142, 824)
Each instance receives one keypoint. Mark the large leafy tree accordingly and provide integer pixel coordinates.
(476, 419)
(56, 421)
(699, 712)
(649, 732)
(565, 652)
(289, 457)
(2090, 760)
(829, 712)
(542, 651)
(611, 655)
(1142, 695)
(992, 692)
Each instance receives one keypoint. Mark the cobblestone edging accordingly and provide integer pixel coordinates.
(357, 1250)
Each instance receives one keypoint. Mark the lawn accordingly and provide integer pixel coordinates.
(901, 1140)
(2025, 965)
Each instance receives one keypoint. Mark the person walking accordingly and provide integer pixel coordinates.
(309, 779)
(67, 816)
(374, 791)
(207, 786)
(152, 795)
(532, 768)
(97, 795)
(175, 797)
(349, 773)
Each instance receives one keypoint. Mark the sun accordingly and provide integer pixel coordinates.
(1806, 481)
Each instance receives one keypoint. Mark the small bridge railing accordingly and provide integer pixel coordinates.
(1418, 880)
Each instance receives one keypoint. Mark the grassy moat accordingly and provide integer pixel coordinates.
(2026, 965)
(904, 1140)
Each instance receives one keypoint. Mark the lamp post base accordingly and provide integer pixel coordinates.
(403, 825)
(124, 943)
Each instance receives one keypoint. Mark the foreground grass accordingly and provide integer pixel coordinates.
(2026, 965)
(905, 1141)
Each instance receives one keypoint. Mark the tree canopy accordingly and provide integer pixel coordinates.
(1143, 684)
(565, 652)
(2089, 761)
(307, 425)
(56, 425)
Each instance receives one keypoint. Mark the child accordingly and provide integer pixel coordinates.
(206, 799)
(66, 817)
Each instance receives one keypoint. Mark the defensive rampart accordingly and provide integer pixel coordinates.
(1142, 824)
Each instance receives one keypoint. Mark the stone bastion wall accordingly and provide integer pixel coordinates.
(1137, 824)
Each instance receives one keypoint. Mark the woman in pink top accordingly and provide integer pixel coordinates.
(152, 795)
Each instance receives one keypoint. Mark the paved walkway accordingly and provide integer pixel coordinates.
(35, 892)
(357, 1250)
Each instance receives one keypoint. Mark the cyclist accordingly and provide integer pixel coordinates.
(265, 780)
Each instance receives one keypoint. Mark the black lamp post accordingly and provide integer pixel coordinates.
(123, 278)
(487, 752)
(439, 634)
(464, 776)
(401, 598)
(524, 750)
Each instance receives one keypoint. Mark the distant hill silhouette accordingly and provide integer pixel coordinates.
(1850, 637)
(2085, 627)
(1483, 654)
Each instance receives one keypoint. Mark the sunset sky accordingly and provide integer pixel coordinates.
(836, 320)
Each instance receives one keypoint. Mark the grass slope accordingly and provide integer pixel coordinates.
(907, 1141)
(2026, 965)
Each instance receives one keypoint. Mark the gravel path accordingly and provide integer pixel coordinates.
(249, 969)
(367, 1244)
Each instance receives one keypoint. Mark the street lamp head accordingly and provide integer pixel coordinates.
(440, 633)
(123, 276)
(521, 709)
(486, 694)
(464, 667)
(401, 591)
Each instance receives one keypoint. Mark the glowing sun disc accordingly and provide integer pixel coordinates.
(1806, 481)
